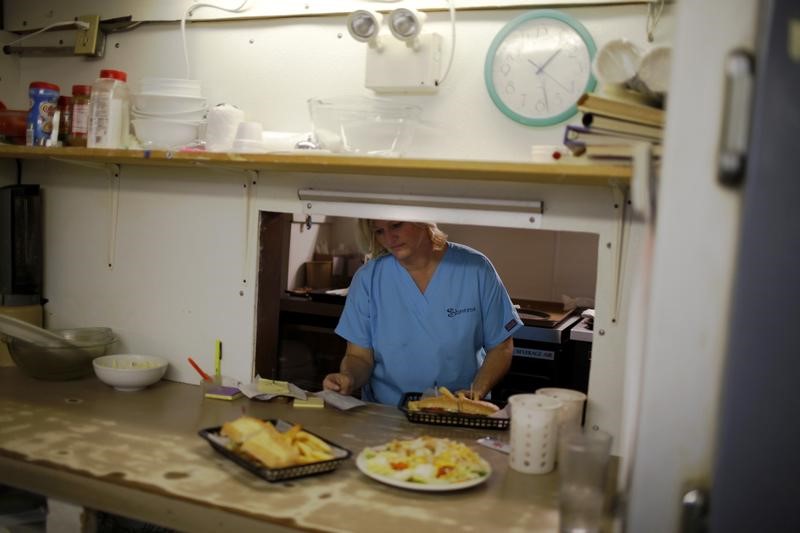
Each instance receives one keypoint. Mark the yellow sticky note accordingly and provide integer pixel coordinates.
(313, 402)
(271, 386)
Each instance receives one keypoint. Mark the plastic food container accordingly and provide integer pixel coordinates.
(43, 105)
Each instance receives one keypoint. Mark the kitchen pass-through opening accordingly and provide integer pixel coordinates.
(305, 262)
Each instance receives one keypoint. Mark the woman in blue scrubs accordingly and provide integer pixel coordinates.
(422, 313)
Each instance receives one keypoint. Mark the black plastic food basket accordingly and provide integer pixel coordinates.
(220, 444)
(449, 419)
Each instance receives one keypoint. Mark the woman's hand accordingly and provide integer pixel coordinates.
(340, 382)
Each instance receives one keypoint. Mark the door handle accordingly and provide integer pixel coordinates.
(739, 87)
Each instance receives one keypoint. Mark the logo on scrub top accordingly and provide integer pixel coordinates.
(452, 311)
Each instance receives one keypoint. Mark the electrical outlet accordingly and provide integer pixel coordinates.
(88, 41)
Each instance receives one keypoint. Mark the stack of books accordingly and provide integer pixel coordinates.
(610, 128)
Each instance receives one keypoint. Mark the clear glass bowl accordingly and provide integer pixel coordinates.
(363, 125)
(57, 363)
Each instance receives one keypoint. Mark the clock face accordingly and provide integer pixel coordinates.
(538, 66)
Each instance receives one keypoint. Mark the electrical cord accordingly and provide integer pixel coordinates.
(451, 5)
(188, 12)
(79, 23)
(653, 16)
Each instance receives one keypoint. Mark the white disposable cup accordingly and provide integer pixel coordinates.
(570, 414)
(583, 458)
(249, 131)
(534, 433)
(223, 123)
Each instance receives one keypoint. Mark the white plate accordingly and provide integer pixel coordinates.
(361, 463)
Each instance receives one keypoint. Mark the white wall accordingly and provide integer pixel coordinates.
(183, 272)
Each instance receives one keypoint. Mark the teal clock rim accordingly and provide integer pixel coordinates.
(512, 25)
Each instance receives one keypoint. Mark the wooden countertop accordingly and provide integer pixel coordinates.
(138, 454)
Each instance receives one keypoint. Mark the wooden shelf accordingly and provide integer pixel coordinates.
(570, 172)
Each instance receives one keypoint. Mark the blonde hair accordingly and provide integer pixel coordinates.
(369, 243)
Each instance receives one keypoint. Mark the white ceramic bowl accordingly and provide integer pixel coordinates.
(129, 372)
(161, 103)
(165, 134)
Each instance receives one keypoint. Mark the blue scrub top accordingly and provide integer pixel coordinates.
(432, 339)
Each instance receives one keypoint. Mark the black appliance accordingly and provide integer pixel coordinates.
(21, 249)
(544, 353)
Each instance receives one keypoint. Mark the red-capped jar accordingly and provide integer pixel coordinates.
(109, 111)
(79, 130)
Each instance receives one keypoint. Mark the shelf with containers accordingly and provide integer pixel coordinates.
(566, 172)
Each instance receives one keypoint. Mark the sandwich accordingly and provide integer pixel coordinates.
(450, 403)
(242, 429)
(263, 442)
(271, 448)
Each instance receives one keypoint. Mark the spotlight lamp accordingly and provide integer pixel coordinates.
(364, 25)
(406, 25)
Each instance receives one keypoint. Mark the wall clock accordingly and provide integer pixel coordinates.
(538, 66)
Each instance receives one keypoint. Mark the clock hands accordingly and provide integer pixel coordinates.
(540, 71)
(549, 59)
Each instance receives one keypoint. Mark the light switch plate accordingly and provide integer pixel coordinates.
(395, 67)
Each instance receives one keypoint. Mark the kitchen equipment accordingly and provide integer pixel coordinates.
(167, 104)
(171, 86)
(21, 254)
(571, 413)
(363, 125)
(130, 372)
(583, 459)
(449, 419)
(165, 134)
(56, 361)
(544, 355)
(27, 332)
(534, 430)
(222, 445)
(85, 335)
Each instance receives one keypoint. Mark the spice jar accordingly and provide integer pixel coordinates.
(109, 113)
(65, 110)
(43, 103)
(79, 129)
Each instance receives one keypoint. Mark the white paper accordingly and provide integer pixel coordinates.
(339, 401)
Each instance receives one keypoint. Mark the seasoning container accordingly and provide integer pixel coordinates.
(109, 111)
(79, 129)
(65, 123)
(43, 105)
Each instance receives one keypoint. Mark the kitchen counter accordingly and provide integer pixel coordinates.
(138, 454)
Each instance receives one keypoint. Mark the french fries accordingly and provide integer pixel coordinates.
(273, 448)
